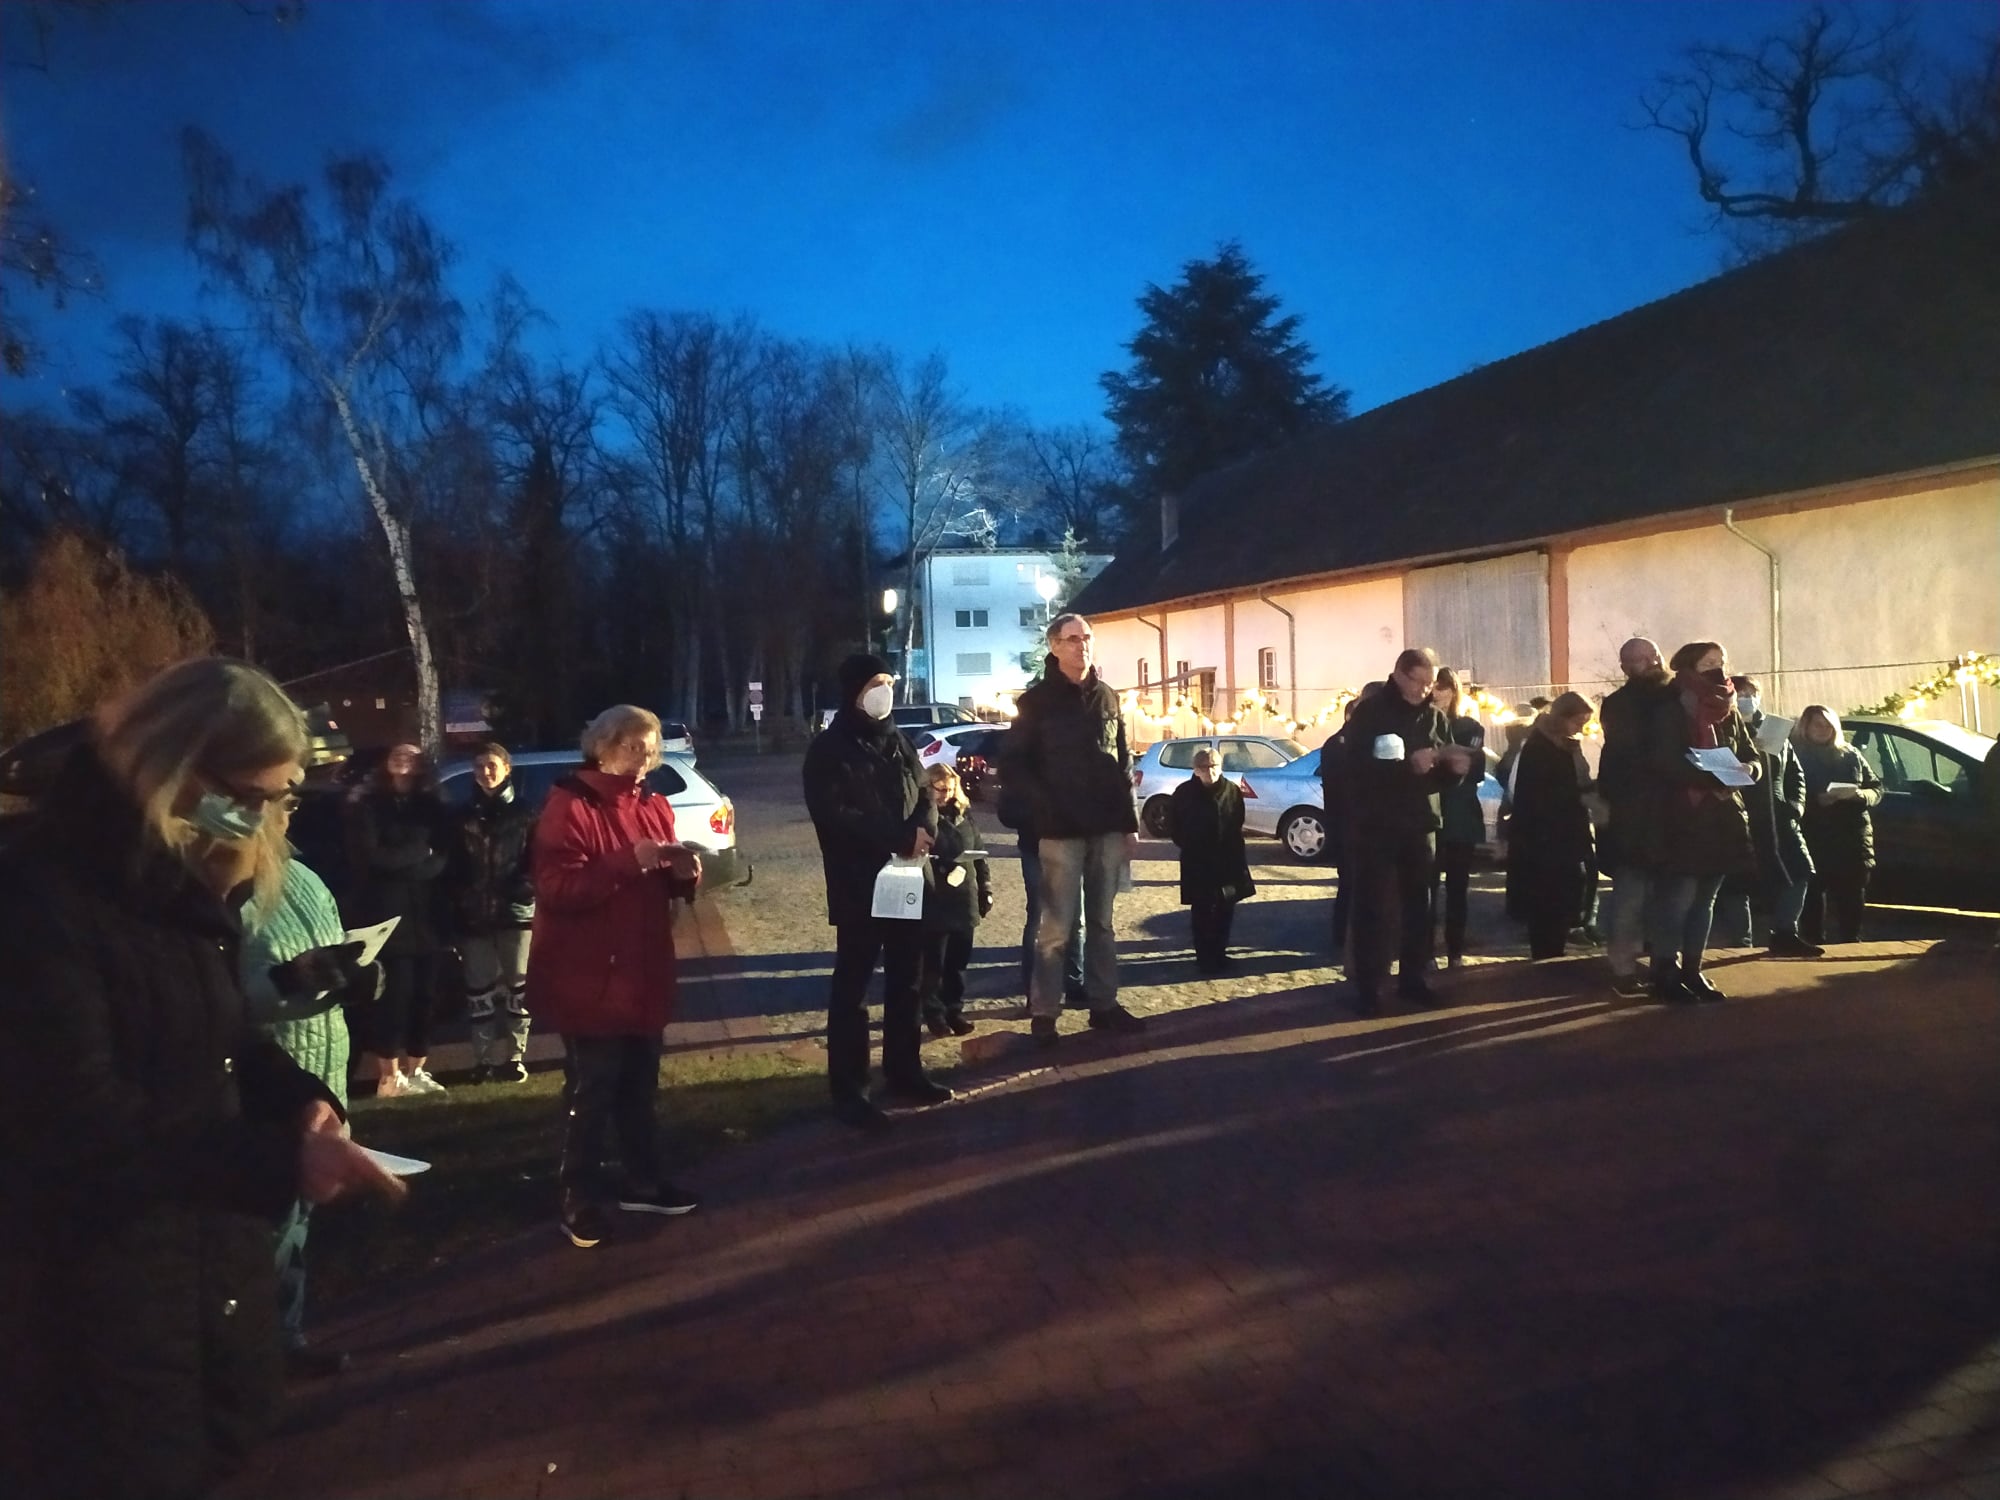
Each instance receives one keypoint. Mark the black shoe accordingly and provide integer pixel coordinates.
(1116, 1018)
(1075, 998)
(481, 1074)
(1666, 989)
(512, 1072)
(936, 1025)
(1791, 945)
(862, 1114)
(1629, 986)
(1043, 1030)
(960, 1026)
(583, 1224)
(1699, 988)
(1416, 992)
(664, 1199)
(310, 1362)
(920, 1090)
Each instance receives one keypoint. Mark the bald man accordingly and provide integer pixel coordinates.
(1622, 780)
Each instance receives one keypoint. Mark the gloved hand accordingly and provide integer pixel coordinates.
(985, 903)
(318, 970)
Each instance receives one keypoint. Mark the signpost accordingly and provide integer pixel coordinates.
(757, 717)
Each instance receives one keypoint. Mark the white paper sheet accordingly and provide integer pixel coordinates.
(400, 1166)
(899, 889)
(1722, 764)
(371, 939)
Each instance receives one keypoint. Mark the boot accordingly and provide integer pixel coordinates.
(1667, 986)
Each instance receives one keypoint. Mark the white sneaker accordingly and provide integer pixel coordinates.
(392, 1084)
(421, 1082)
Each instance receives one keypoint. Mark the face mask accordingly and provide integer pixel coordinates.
(1746, 705)
(220, 818)
(878, 700)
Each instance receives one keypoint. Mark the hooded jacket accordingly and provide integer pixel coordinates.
(1067, 757)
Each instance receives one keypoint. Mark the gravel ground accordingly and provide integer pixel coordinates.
(777, 924)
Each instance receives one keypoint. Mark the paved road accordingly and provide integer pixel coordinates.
(1532, 1245)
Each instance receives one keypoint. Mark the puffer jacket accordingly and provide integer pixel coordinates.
(311, 1028)
(1385, 798)
(602, 960)
(396, 851)
(1068, 753)
(1776, 806)
(489, 878)
(957, 908)
(865, 793)
(1840, 834)
(1464, 819)
(152, 1145)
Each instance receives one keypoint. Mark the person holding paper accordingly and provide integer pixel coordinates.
(1400, 758)
(1694, 830)
(864, 788)
(957, 899)
(601, 970)
(154, 1137)
(1840, 789)
(1776, 805)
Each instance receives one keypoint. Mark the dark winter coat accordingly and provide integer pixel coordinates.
(152, 1146)
(1621, 768)
(1840, 834)
(1207, 823)
(602, 960)
(1686, 822)
(957, 908)
(1385, 798)
(1776, 806)
(396, 852)
(1464, 820)
(1549, 844)
(1333, 791)
(489, 880)
(1068, 755)
(865, 791)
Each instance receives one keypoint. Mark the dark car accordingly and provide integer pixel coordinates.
(978, 763)
(1933, 843)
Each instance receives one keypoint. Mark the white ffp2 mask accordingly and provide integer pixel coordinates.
(878, 700)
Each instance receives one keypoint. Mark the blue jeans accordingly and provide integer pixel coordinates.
(1078, 874)
(1732, 912)
(1631, 901)
(1031, 877)
(1678, 918)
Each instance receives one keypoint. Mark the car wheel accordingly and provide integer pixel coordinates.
(1304, 833)
(1157, 819)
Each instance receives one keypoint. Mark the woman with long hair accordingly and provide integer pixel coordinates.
(154, 1138)
(957, 899)
(1464, 823)
(1841, 787)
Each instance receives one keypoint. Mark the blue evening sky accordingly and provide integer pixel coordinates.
(1430, 184)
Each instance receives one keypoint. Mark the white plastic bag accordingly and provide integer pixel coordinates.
(899, 889)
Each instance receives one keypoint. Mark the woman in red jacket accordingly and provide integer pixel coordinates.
(601, 968)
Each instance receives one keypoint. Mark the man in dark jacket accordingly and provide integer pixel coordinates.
(1776, 805)
(1624, 785)
(865, 790)
(1067, 752)
(1333, 798)
(1399, 757)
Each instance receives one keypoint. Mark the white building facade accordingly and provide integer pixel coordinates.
(985, 612)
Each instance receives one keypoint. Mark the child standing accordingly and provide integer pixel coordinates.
(960, 893)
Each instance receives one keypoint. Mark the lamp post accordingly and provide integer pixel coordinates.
(889, 601)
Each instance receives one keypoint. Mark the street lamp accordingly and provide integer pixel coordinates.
(1048, 587)
(889, 601)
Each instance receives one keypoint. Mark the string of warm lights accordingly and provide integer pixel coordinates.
(1968, 668)
(1183, 718)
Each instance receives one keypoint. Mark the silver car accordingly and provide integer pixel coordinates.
(704, 819)
(1289, 804)
(1167, 764)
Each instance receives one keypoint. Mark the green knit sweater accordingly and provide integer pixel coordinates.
(310, 1028)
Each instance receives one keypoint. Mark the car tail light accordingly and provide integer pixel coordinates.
(723, 819)
(932, 749)
(1249, 791)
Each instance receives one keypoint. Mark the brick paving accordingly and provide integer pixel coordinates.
(1534, 1244)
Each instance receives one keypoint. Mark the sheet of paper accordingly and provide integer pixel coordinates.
(371, 939)
(400, 1166)
(1722, 764)
(899, 889)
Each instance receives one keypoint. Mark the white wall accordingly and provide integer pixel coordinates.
(1009, 588)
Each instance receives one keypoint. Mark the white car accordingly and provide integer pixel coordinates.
(940, 744)
(1167, 764)
(704, 818)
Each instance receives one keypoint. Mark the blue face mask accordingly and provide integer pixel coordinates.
(221, 818)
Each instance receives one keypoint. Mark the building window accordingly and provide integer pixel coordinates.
(1267, 668)
(975, 663)
(971, 619)
(1145, 673)
(1034, 614)
(1181, 676)
(968, 575)
(1031, 662)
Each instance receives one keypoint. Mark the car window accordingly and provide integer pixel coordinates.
(1292, 749)
(1868, 741)
(923, 738)
(1923, 761)
(1251, 755)
(667, 781)
(673, 729)
(1178, 755)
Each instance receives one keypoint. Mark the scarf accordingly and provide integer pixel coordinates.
(1706, 705)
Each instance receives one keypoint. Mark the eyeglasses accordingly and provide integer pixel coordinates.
(1071, 640)
(256, 798)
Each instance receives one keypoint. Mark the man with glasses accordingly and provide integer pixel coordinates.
(1067, 754)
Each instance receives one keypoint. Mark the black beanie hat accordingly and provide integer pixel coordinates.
(856, 672)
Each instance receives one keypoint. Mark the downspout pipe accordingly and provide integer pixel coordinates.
(1161, 631)
(1777, 596)
(1291, 648)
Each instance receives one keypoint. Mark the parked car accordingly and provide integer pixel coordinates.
(978, 763)
(1167, 764)
(676, 739)
(1288, 803)
(1932, 842)
(912, 716)
(941, 746)
(703, 817)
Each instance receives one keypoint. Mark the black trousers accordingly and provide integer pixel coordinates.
(1454, 880)
(398, 1022)
(857, 945)
(1211, 921)
(1846, 891)
(1392, 875)
(941, 978)
(610, 1084)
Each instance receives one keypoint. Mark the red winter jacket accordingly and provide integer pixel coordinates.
(602, 959)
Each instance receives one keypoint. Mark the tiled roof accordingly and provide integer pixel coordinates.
(1868, 353)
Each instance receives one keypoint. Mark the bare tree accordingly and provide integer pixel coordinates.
(353, 299)
(1073, 475)
(1832, 119)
